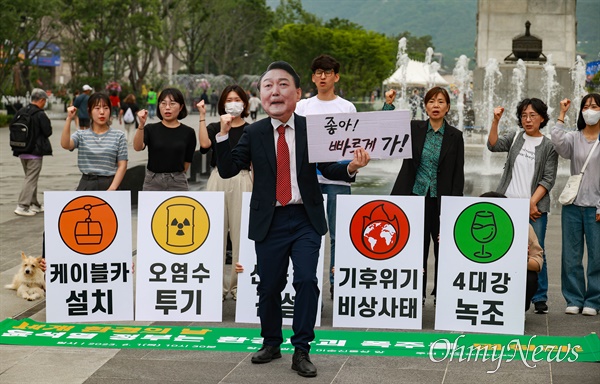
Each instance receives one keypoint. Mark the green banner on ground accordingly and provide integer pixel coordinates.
(437, 347)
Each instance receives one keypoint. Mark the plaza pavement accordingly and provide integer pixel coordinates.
(54, 365)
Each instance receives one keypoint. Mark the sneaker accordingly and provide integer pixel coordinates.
(24, 212)
(572, 310)
(587, 311)
(36, 208)
(541, 307)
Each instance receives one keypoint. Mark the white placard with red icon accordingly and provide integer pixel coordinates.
(379, 262)
(179, 256)
(88, 256)
(483, 265)
(246, 310)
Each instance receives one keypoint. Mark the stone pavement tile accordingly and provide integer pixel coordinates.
(153, 370)
(397, 363)
(470, 375)
(580, 373)
(280, 371)
(13, 354)
(361, 375)
(55, 365)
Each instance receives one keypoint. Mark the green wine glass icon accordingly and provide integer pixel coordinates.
(483, 230)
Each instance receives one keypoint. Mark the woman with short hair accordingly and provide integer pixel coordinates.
(171, 144)
(529, 173)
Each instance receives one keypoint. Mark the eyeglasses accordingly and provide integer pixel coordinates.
(531, 116)
(326, 72)
(172, 104)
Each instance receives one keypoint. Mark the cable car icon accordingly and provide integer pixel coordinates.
(88, 231)
(180, 225)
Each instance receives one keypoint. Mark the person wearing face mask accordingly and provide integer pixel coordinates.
(580, 221)
(170, 143)
(232, 103)
(529, 173)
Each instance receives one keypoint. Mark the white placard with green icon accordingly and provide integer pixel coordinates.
(482, 265)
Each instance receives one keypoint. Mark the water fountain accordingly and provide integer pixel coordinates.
(550, 87)
(490, 81)
(578, 76)
(517, 94)
(432, 66)
(192, 85)
(402, 64)
(462, 79)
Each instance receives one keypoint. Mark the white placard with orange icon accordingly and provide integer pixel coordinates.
(247, 298)
(379, 262)
(179, 256)
(483, 265)
(88, 256)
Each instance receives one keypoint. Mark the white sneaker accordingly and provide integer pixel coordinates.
(36, 208)
(587, 311)
(572, 310)
(24, 211)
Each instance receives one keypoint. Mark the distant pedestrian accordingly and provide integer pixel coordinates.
(115, 104)
(152, 100)
(214, 100)
(254, 103)
(129, 119)
(31, 158)
(81, 103)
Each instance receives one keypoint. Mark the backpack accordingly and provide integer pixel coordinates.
(22, 132)
(128, 118)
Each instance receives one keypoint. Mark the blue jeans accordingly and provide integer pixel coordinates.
(578, 225)
(151, 110)
(539, 227)
(332, 190)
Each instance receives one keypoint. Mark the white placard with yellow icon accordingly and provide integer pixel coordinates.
(247, 297)
(179, 256)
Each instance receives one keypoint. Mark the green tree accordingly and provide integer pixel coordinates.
(27, 28)
(366, 57)
(91, 33)
(292, 12)
(241, 24)
(195, 34)
(140, 36)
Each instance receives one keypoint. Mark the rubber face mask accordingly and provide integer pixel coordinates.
(234, 108)
(591, 117)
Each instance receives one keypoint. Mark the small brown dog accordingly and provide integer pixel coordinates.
(29, 282)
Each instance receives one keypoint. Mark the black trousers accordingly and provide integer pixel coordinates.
(431, 233)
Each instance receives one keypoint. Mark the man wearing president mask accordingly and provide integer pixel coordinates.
(233, 103)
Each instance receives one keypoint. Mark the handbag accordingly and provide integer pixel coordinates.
(569, 194)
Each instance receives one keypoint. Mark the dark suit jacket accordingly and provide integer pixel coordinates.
(450, 172)
(257, 147)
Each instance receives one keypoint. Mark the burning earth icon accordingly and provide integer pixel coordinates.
(379, 230)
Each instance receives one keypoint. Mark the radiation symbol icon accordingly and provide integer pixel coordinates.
(379, 230)
(87, 225)
(180, 225)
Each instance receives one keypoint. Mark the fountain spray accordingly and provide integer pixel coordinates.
(462, 78)
(578, 76)
(492, 77)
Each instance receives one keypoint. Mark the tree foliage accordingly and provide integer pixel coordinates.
(366, 57)
(27, 28)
